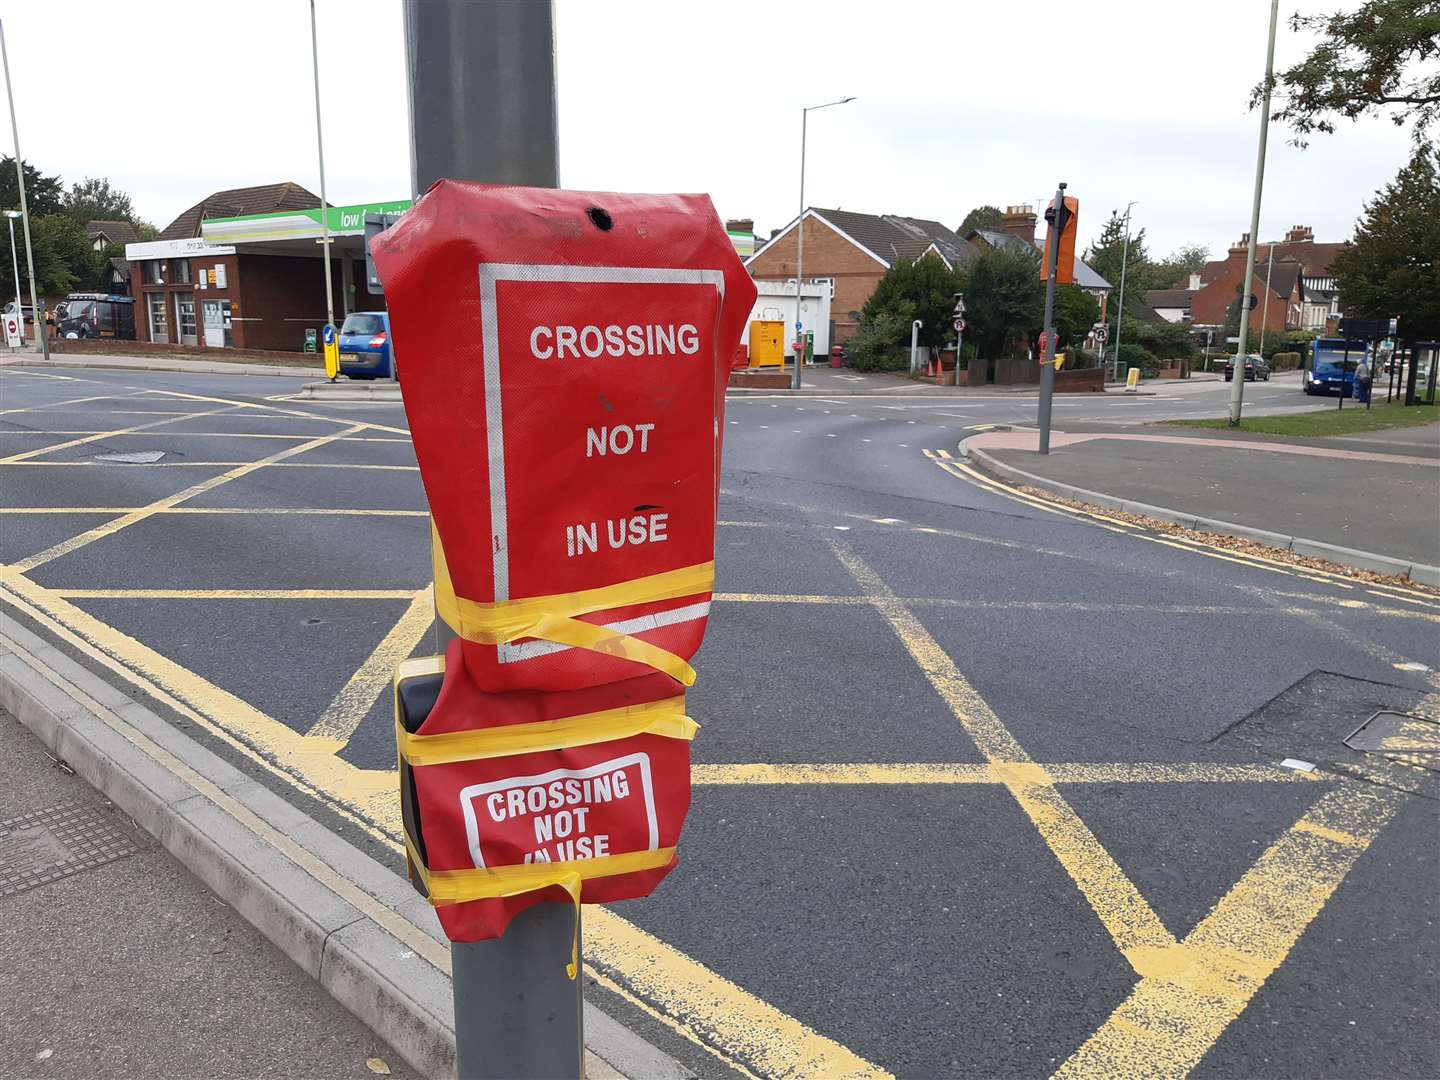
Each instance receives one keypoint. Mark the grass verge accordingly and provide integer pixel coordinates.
(1322, 423)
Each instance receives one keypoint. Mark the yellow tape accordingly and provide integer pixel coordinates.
(553, 617)
(665, 717)
(446, 887)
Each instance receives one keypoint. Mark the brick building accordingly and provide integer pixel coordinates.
(1017, 229)
(1302, 286)
(190, 290)
(852, 251)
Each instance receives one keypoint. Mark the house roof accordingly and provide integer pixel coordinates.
(117, 232)
(890, 237)
(1085, 277)
(1169, 298)
(1282, 277)
(121, 267)
(1315, 259)
(264, 199)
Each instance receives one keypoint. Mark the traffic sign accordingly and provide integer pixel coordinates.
(13, 336)
(958, 325)
(332, 351)
(1254, 301)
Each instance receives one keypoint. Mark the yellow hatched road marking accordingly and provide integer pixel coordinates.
(376, 675)
(40, 406)
(111, 527)
(277, 411)
(222, 434)
(1175, 1013)
(1135, 928)
(216, 464)
(235, 594)
(244, 510)
(1072, 772)
(26, 455)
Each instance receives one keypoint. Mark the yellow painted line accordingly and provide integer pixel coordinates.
(1135, 928)
(376, 675)
(1407, 599)
(744, 524)
(247, 435)
(235, 594)
(768, 1041)
(82, 440)
(244, 511)
(275, 410)
(1193, 992)
(1083, 772)
(219, 464)
(1005, 490)
(109, 528)
(786, 598)
(42, 405)
(700, 1003)
(10, 369)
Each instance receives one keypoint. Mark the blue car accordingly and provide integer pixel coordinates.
(365, 350)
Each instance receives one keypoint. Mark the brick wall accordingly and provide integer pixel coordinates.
(1209, 306)
(282, 295)
(827, 254)
(143, 290)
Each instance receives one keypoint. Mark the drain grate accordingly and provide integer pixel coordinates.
(46, 845)
(1401, 737)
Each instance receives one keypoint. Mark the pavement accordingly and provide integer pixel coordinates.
(118, 962)
(977, 790)
(1372, 494)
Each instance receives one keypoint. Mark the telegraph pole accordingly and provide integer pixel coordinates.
(480, 87)
(35, 319)
(1237, 386)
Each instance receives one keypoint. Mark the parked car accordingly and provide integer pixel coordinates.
(97, 315)
(365, 351)
(27, 313)
(1256, 367)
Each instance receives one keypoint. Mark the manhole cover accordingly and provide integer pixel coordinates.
(1409, 740)
(132, 457)
(46, 845)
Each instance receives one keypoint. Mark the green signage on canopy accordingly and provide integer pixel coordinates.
(296, 224)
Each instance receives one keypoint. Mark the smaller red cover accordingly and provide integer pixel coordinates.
(571, 804)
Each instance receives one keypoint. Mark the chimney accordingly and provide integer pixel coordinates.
(1019, 221)
(1194, 285)
(1241, 246)
(740, 225)
(1299, 234)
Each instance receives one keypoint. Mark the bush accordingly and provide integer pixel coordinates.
(1132, 355)
(1077, 357)
(1285, 361)
(876, 345)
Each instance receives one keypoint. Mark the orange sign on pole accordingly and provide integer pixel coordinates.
(1069, 219)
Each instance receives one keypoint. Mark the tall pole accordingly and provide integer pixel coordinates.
(320, 150)
(800, 259)
(480, 91)
(24, 212)
(1124, 265)
(800, 242)
(1047, 355)
(1237, 386)
(1265, 310)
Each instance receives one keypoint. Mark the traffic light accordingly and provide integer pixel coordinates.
(1065, 227)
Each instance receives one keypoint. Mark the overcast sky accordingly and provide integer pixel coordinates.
(958, 104)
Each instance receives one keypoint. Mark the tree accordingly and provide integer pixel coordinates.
(1004, 299)
(1076, 311)
(43, 193)
(1173, 272)
(924, 289)
(1382, 59)
(1107, 253)
(1392, 265)
(94, 199)
(982, 217)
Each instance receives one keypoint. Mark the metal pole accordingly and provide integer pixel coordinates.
(1124, 265)
(481, 94)
(24, 212)
(915, 345)
(1047, 355)
(320, 150)
(1237, 385)
(15, 262)
(800, 254)
(1265, 311)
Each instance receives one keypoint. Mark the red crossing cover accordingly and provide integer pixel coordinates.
(563, 357)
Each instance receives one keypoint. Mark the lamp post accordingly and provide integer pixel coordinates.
(15, 262)
(24, 212)
(800, 240)
(320, 150)
(1124, 265)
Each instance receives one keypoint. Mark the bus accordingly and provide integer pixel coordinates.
(1332, 364)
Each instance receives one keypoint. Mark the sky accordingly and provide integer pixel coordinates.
(957, 105)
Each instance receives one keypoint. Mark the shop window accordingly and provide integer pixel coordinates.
(180, 271)
(153, 272)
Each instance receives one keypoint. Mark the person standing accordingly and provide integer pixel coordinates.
(1362, 380)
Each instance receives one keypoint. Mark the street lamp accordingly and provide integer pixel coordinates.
(320, 149)
(15, 262)
(24, 210)
(1124, 265)
(800, 240)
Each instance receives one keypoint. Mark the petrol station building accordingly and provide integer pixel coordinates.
(245, 269)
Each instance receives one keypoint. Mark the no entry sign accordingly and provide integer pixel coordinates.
(567, 359)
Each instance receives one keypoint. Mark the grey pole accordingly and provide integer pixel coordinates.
(1265, 310)
(915, 325)
(1237, 385)
(10, 216)
(1047, 357)
(481, 94)
(320, 150)
(800, 240)
(1120, 306)
(24, 212)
